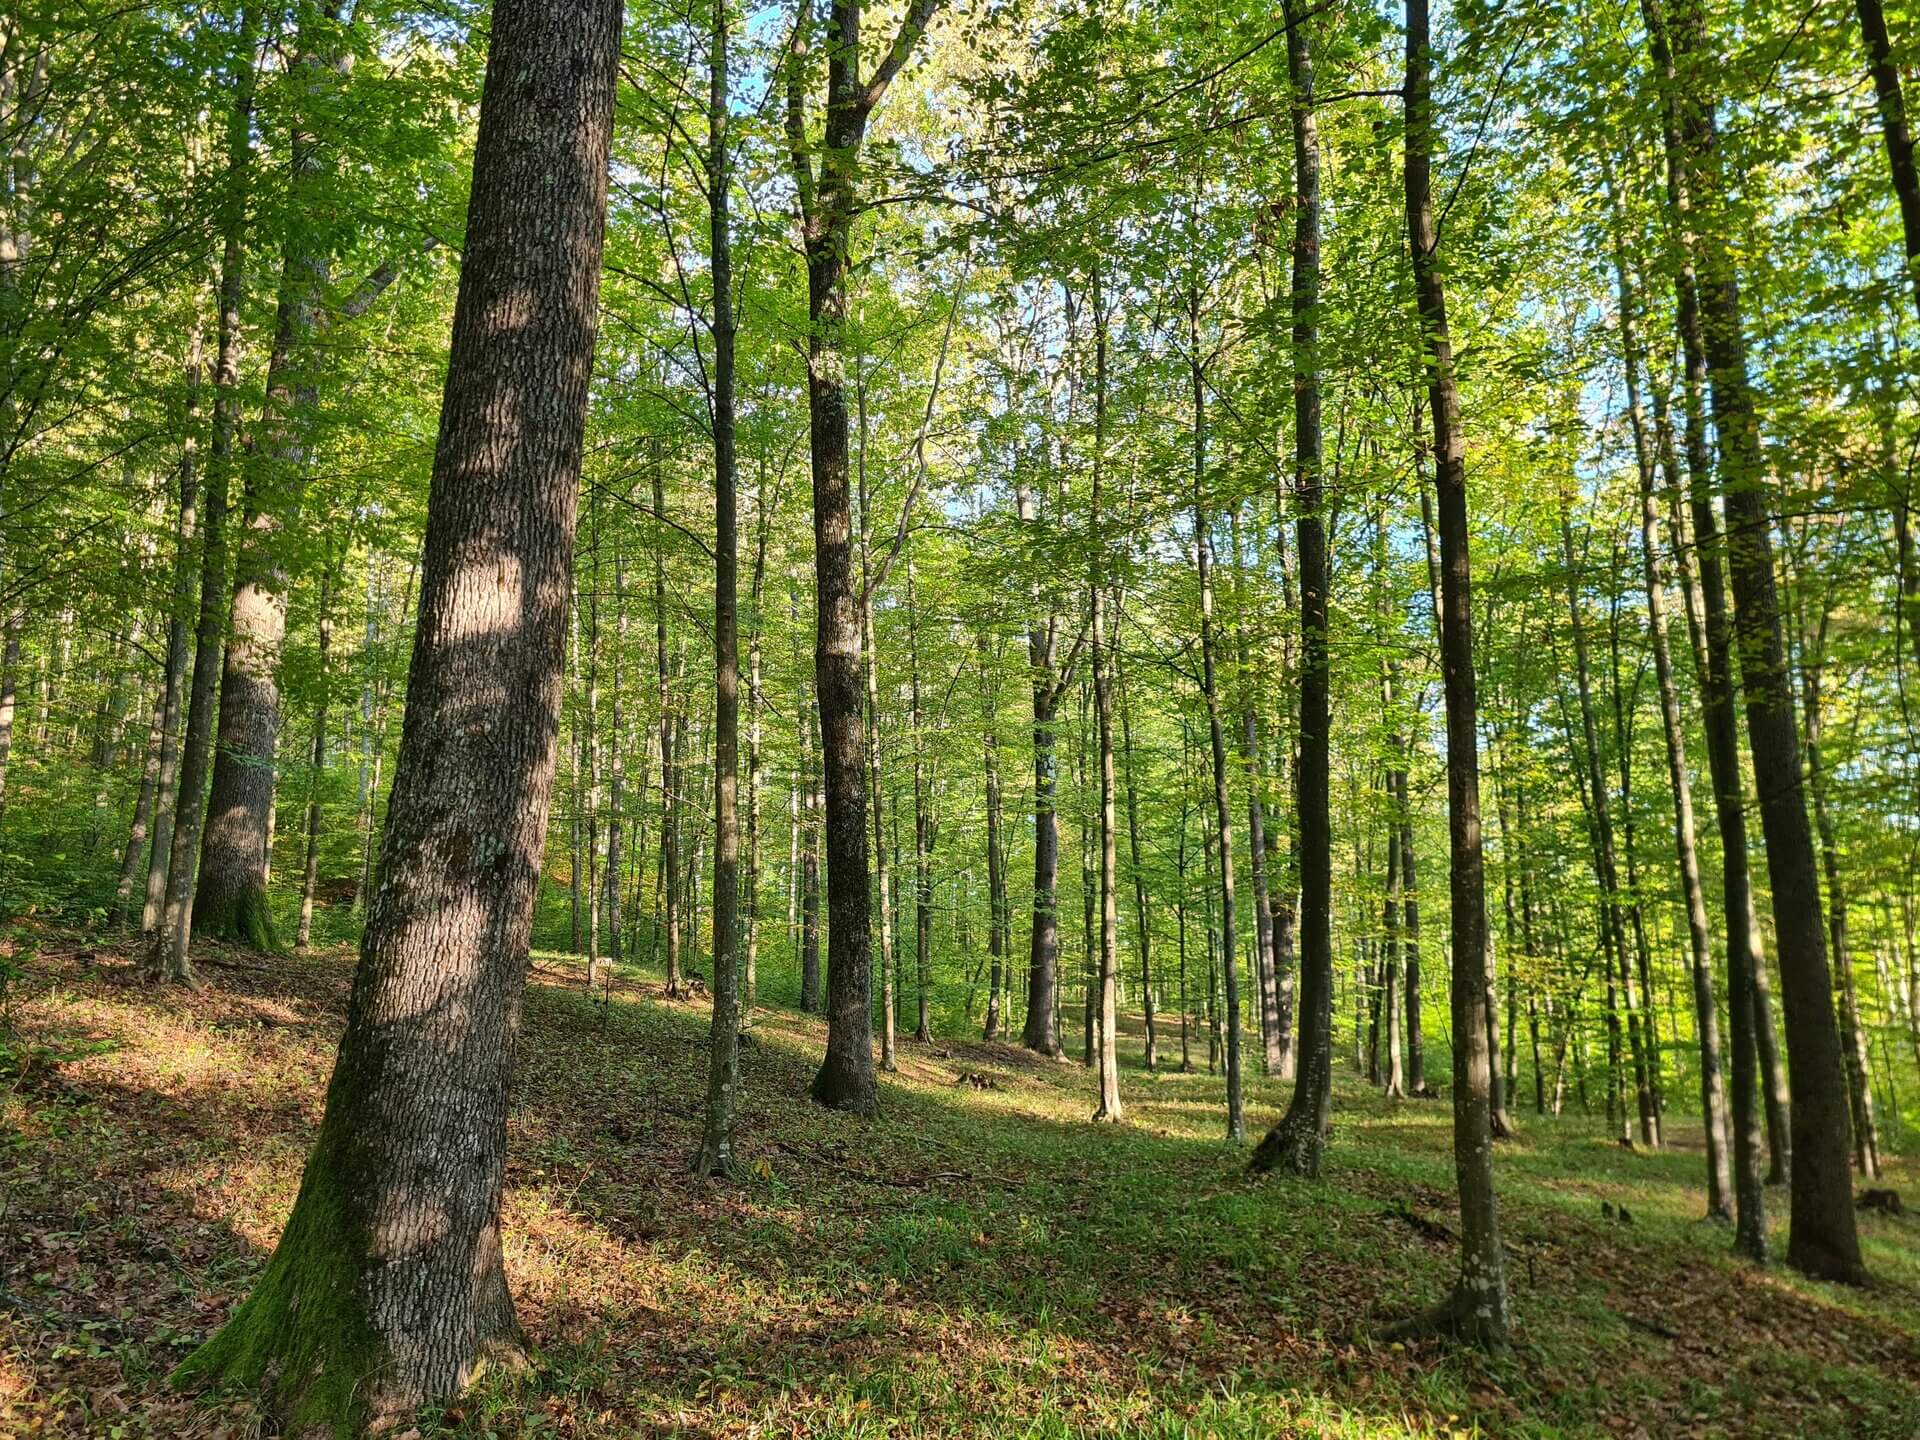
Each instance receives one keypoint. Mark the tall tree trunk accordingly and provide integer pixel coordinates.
(999, 919)
(1042, 1033)
(616, 743)
(756, 779)
(1109, 1107)
(810, 998)
(828, 205)
(670, 777)
(1210, 688)
(1267, 994)
(1894, 130)
(1706, 612)
(387, 1291)
(1296, 1143)
(1606, 871)
(1477, 1308)
(715, 1156)
(1142, 923)
(1706, 1016)
(231, 900)
(922, 830)
(1866, 1140)
(876, 797)
(179, 646)
(1822, 1240)
(1410, 939)
(1393, 1078)
(310, 870)
(169, 959)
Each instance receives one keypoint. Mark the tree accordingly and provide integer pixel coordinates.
(828, 201)
(390, 1264)
(1477, 1308)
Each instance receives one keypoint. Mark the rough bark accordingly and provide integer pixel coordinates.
(387, 1291)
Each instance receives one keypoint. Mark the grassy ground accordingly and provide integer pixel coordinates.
(978, 1261)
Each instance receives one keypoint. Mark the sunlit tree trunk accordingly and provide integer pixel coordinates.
(1296, 1143)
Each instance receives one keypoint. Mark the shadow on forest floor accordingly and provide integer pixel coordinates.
(979, 1260)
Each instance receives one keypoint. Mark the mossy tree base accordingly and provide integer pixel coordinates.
(241, 917)
(333, 1352)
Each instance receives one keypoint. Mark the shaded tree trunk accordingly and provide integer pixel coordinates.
(169, 959)
(1822, 1240)
(387, 1291)
(179, 649)
(1706, 1015)
(715, 1156)
(231, 899)
(1477, 1308)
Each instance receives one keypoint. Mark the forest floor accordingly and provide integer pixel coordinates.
(979, 1261)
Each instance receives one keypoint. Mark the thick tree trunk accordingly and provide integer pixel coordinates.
(1822, 1240)
(231, 900)
(1296, 1143)
(828, 206)
(387, 1292)
(169, 959)
(1477, 1309)
(10, 628)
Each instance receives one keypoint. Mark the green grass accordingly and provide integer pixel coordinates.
(973, 1262)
